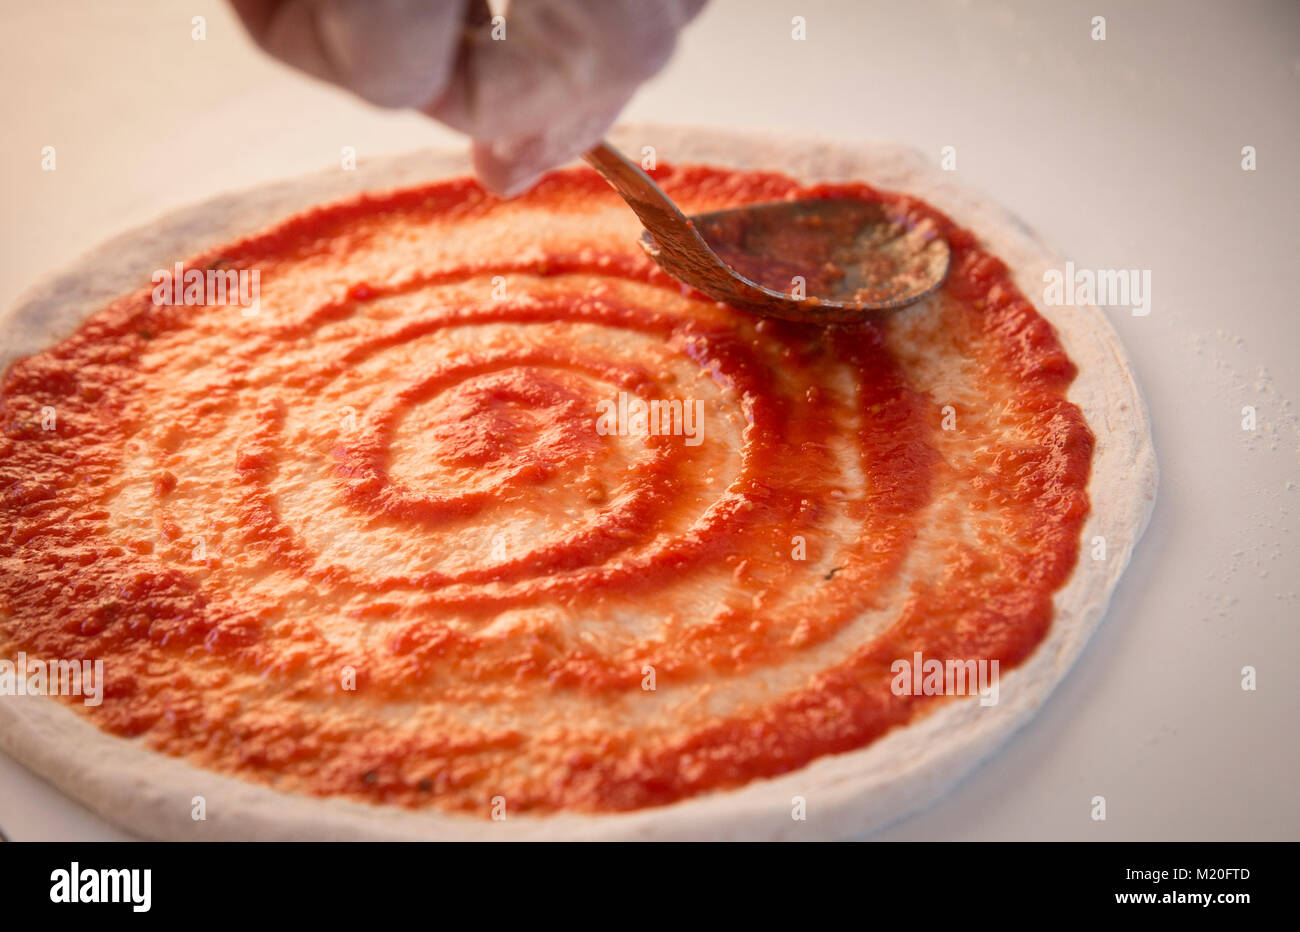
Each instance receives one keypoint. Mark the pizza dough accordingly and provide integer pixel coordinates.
(844, 793)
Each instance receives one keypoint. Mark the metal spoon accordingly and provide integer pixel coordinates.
(824, 260)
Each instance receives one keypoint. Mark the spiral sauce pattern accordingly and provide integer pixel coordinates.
(371, 543)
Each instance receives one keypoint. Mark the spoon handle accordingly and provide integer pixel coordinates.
(647, 199)
(673, 232)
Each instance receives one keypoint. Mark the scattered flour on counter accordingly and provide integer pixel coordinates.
(1276, 421)
(1262, 547)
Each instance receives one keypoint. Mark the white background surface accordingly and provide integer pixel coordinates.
(1124, 154)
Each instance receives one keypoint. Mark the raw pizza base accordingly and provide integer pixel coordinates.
(847, 794)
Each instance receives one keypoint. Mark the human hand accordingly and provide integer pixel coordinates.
(539, 93)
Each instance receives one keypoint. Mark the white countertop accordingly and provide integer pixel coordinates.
(1124, 154)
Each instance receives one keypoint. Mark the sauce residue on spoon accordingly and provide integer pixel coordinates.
(841, 250)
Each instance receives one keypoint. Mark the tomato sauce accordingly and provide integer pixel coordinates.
(496, 675)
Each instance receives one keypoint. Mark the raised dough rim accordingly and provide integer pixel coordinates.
(847, 794)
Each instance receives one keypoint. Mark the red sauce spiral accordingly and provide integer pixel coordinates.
(371, 542)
